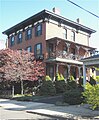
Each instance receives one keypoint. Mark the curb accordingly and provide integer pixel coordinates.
(60, 117)
(53, 116)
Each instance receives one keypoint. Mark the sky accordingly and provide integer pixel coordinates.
(15, 11)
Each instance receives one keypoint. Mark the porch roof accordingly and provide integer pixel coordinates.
(65, 61)
(91, 61)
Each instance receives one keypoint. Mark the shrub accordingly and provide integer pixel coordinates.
(92, 81)
(71, 78)
(60, 86)
(97, 78)
(47, 78)
(81, 81)
(61, 77)
(71, 84)
(58, 77)
(91, 95)
(47, 88)
(73, 96)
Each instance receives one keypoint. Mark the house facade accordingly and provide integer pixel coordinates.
(57, 41)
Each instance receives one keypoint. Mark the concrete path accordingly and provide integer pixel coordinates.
(77, 112)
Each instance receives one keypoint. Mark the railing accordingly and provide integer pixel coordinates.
(64, 55)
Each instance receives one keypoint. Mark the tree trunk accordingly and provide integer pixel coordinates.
(12, 90)
(21, 87)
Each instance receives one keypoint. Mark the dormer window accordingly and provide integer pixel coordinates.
(72, 35)
(12, 40)
(28, 33)
(19, 40)
(38, 30)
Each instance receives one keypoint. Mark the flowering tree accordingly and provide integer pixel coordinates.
(19, 66)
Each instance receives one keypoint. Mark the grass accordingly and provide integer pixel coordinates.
(28, 97)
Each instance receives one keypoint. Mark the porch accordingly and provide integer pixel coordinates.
(65, 69)
(90, 62)
(61, 49)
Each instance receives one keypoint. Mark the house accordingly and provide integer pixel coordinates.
(57, 41)
(2, 44)
(93, 63)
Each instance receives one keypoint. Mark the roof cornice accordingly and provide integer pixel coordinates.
(45, 14)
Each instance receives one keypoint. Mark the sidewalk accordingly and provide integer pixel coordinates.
(77, 112)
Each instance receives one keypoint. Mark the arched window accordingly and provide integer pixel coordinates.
(38, 29)
(72, 35)
(12, 39)
(65, 33)
(38, 49)
(28, 33)
(19, 37)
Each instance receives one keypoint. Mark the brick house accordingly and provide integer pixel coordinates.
(59, 42)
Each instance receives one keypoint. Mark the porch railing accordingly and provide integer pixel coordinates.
(64, 55)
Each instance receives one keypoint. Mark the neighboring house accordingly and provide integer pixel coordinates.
(2, 44)
(93, 63)
(59, 42)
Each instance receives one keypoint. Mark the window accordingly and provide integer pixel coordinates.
(28, 33)
(64, 49)
(50, 47)
(50, 70)
(19, 40)
(38, 30)
(38, 49)
(29, 49)
(65, 73)
(73, 51)
(65, 33)
(72, 35)
(12, 40)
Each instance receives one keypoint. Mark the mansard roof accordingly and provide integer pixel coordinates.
(49, 15)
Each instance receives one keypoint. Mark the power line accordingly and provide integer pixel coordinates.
(83, 9)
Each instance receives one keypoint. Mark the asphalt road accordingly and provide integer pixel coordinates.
(14, 110)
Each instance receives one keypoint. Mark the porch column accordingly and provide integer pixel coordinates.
(69, 70)
(78, 51)
(57, 68)
(84, 75)
(68, 46)
(79, 71)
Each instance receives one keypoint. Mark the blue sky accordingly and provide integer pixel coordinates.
(15, 11)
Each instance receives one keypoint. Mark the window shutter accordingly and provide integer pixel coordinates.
(35, 30)
(41, 30)
(18, 38)
(35, 50)
(40, 48)
(26, 35)
(31, 32)
(21, 36)
(30, 49)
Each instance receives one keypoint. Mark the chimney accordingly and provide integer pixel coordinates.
(78, 20)
(56, 10)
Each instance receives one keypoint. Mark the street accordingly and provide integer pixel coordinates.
(11, 109)
(23, 115)
(14, 110)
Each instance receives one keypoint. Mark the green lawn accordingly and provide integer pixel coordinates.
(27, 97)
